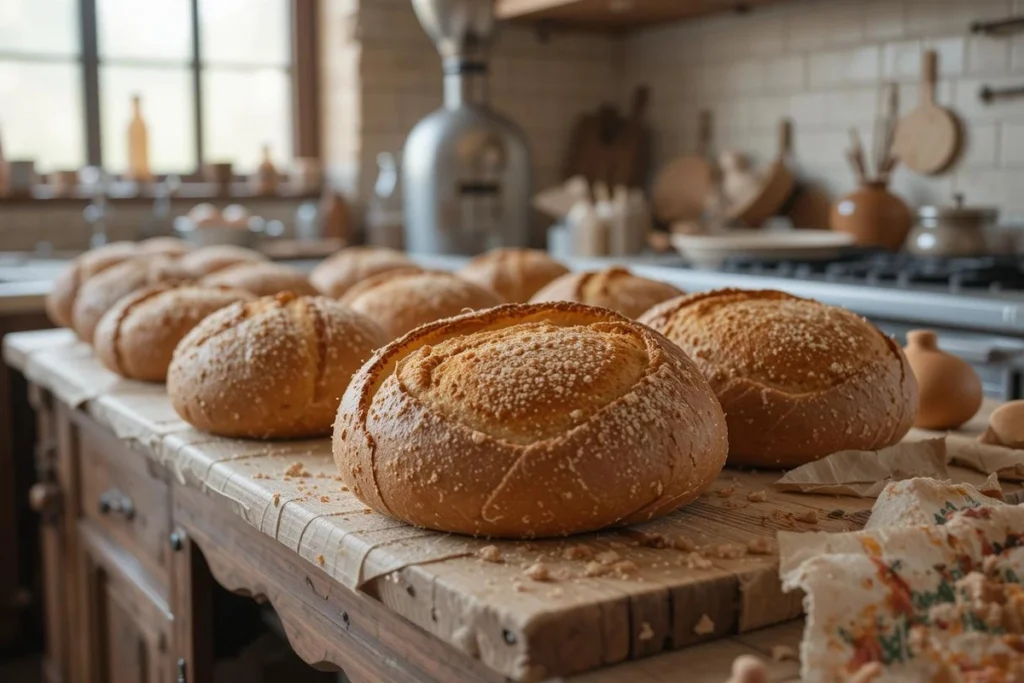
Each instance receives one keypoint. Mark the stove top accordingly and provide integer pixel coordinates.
(968, 275)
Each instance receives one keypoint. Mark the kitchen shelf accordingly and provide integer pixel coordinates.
(617, 15)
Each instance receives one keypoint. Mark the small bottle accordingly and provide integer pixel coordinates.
(265, 178)
(384, 220)
(138, 145)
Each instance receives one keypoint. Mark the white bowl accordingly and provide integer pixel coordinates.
(710, 251)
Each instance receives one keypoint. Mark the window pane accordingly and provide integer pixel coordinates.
(41, 114)
(245, 31)
(47, 27)
(167, 106)
(243, 110)
(144, 29)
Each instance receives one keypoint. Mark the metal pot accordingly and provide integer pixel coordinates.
(956, 230)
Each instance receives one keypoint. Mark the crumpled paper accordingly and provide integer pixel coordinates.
(866, 473)
(925, 600)
(1006, 463)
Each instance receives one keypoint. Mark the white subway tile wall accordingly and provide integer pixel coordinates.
(823, 64)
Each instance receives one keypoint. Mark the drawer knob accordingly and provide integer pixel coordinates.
(44, 498)
(114, 502)
(177, 541)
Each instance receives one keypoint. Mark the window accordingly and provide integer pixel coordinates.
(217, 80)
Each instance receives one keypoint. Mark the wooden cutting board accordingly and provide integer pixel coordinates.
(632, 147)
(928, 138)
(683, 185)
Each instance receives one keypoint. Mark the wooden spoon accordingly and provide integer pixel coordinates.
(927, 138)
(682, 186)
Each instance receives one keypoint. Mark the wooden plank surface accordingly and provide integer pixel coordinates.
(610, 597)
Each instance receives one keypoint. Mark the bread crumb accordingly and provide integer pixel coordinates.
(277, 499)
(478, 437)
(261, 475)
(653, 541)
(320, 560)
(625, 568)
(760, 546)
(729, 551)
(705, 626)
(698, 561)
(725, 492)
(489, 553)
(518, 587)
(646, 632)
(577, 552)
(325, 499)
(608, 557)
(296, 470)
(781, 653)
(757, 496)
(683, 543)
(595, 569)
(748, 669)
(538, 572)
(808, 517)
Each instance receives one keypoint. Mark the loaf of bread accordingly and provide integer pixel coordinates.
(271, 368)
(262, 279)
(529, 420)
(98, 294)
(402, 300)
(336, 274)
(205, 260)
(798, 379)
(60, 302)
(136, 338)
(514, 274)
(165, 246)
(614, 288)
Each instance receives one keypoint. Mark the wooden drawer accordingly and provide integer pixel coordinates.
(124, 495)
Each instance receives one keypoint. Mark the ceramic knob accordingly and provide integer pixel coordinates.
(950, 390)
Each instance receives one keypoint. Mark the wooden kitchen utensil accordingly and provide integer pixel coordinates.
(927, 139)
(777, 185)
(632, 145)
(592, 144)
(682, 186)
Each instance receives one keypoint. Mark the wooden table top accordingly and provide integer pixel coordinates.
(615, 596)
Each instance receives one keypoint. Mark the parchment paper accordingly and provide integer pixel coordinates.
(1006, 463)
(866, 473)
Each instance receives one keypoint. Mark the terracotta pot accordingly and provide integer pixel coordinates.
(874, 216)
(949, 388)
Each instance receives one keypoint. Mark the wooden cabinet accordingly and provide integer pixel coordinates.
(617, 14)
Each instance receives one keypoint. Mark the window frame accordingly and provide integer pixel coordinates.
(302, 71)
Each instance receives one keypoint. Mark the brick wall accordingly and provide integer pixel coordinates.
(822, 63)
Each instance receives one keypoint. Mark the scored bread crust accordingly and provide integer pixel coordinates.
(529, 420)
(205, 260)
(60, 302)
(401, 300)
(262, 279)
(271, 368)
(514, 274)
(798, 379)
(136, 338)
(334, 275)
(98, 294)
(614, 288)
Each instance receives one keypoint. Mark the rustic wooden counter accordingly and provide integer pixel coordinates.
(150, 501)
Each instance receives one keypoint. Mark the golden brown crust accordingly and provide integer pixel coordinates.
(60, 302)
(262, 279)
(400, 300)
(205, 260)
(798, 379)
(613, 288)
(271, 368)
(99, 293)
(529, 420)
(514, 274)
(136, 338)
(333, 276)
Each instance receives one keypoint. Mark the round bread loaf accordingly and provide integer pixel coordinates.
(98, 294)
(262, 279)
(529, 420)
(798, 379)
(60, 302)
(136, 338)
(333, 276)
(514, 274)
(205, 260)
(402, 300)
(614, 288)
(271, 368)
(165, 246)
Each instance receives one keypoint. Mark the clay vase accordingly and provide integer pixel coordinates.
(874, 216)
(949, 388)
